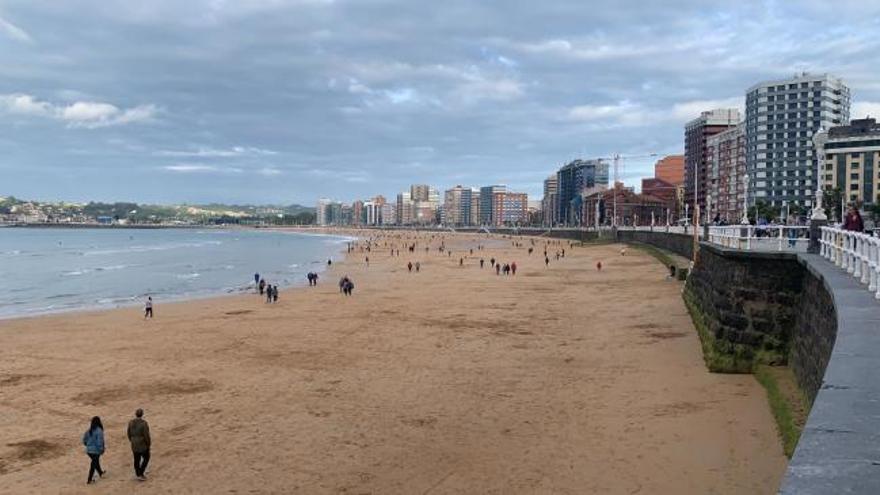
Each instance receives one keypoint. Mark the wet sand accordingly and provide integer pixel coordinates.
(452, 380)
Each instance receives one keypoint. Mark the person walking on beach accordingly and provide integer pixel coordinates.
(368, 261)
(329, 262)
(498, 269)
(546, 261)
(418, 266)
(513, 268)
(275, 294)
(269, 293)
(461, 262)
(409, 266)
(138, 434)
(256, 279)
(262, 285)
(492, 261)
(482, 261)
(148, 308)
(93, 439)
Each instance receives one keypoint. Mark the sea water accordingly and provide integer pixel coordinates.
(46, 270)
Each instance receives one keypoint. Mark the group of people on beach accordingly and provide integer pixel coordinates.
(138, 434)
(271, 291)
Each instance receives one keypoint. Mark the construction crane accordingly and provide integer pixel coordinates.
(617, 159)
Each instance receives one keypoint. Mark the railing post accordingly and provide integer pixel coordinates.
(872, 264)
(816, 234)
(866, 257)
(857, 257)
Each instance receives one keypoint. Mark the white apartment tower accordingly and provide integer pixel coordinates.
(781, 118)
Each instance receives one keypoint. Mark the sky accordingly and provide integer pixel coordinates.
(287, 101)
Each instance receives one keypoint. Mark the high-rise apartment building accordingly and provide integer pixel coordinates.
(696, 133)
(781, 118)
(404, 214)
(388, 215)
(457, 205)
(726, 153)
(510, 208)
(358, 215)
(322, 212)
(670, 169)
(571, 181)
(852, 161)
(548, 203)
(487, 203)
(420, 192)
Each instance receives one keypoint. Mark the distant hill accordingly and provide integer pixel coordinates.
(146, 213)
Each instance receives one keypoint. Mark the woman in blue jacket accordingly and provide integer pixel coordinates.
(93, 439)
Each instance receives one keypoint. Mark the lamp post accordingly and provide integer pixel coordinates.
(818, 219)
(819, 140)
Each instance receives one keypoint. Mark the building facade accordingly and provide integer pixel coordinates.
(510, 208)
(548, 203)
(487, 203)
(670, 169)
(457, 204)
(667, 193)
(852, 161)
(322, 212)
(727, 175)
(631, 208)
(404, 214)
(781, 118)
(696, 134)
(571, 180)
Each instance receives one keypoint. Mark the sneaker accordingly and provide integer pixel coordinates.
(142, 478)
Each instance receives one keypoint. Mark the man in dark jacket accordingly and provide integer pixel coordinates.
(139, 436)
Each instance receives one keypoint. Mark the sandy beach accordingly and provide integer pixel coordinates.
(560, 379)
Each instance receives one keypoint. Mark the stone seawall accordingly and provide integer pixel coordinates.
(748, 306)
(802, 310)
(680, 244)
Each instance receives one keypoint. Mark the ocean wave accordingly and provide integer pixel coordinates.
(187, 276)
(158, 247)
(76, 273)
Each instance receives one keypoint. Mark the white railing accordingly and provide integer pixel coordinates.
(761, 237)
(855, 252)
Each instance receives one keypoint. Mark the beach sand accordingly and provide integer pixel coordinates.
(452, 380)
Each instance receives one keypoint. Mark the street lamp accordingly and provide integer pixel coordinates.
(819, 140)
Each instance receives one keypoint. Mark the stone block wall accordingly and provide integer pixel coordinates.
(680, 244)
(747, 303)
(816, 324)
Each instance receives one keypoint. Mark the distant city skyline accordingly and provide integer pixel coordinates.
(288, 101)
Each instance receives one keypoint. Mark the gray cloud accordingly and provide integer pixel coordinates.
(289, 100)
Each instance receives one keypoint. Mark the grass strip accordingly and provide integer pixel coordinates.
(788, 416)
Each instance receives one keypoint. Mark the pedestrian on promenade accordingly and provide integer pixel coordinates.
(93, 439)
(853, 221)
(148, 308)
(139, 436)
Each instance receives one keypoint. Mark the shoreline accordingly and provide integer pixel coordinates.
(220, 293)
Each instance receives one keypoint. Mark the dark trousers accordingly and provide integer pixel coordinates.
(141, 459)
(95, 466)
(148, 312)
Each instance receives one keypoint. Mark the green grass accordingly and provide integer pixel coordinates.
(789, 415)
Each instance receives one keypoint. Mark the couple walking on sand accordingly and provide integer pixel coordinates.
(138, 434)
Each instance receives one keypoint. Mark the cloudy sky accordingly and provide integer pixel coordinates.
(281, 101)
